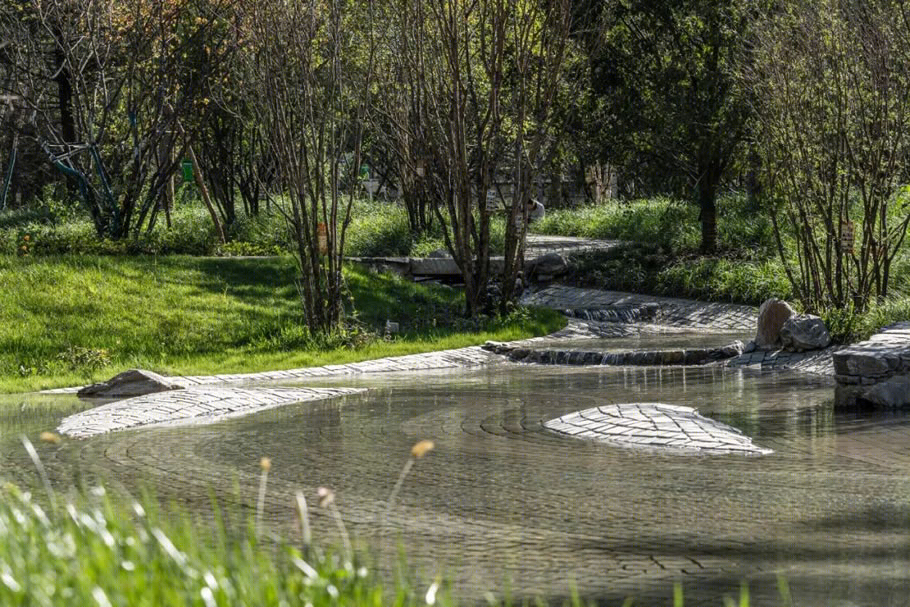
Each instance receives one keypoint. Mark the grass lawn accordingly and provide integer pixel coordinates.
(66, 321)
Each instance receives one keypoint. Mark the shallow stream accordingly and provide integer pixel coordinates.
(503, 501)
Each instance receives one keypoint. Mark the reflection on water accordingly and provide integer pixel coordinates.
(500, 498)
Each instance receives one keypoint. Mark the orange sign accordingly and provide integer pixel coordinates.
(322, 238)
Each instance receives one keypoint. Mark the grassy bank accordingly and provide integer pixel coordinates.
(68, 320)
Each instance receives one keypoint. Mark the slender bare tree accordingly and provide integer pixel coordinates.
(831, 80)
(105, 86)
(308, 74)
(473, 86)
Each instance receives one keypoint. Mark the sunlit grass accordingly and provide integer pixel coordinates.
(65, 321)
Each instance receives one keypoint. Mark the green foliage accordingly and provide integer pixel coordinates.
(189, 315)
(378, 229)
(846, 325)
(649, 269)
(669, 224)
(660, 257)
(94, 551)
(86, 360)
(830, 82)
(664, 74)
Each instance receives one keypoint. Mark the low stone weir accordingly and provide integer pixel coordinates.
(643, 312)
(688, 356)
(875, 371)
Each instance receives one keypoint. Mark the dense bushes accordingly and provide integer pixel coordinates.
(377, 229)
(667, 223)
(661, 258)
(650, 269)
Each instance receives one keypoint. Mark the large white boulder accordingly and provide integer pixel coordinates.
(771, 318)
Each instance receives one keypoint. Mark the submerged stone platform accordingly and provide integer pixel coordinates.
(196, 405)
(655, 426)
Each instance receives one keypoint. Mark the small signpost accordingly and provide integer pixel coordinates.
(846, 237)
(492, 200)
(187, 167)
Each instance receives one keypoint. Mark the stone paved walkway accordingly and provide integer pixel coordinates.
(672, 311)
(655, 426)
(443, 359)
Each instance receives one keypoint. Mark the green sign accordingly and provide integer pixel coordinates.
(187, 171)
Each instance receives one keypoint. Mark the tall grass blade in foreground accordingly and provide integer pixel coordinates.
(265, 464)
(417, 451)
(30, 449)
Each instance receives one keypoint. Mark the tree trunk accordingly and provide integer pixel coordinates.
(65, 102)
(707, 202)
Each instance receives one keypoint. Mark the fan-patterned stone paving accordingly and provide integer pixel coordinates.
(655, 426)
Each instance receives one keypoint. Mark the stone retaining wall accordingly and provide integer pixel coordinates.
(688, 356)
(876, 360)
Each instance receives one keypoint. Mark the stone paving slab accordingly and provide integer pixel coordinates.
(879, 357)
(194, 405)
(655, 426)
(818, 362)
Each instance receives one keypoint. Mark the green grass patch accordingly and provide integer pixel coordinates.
(69, 320)
(93, 552)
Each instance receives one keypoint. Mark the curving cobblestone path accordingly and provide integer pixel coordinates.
(189, 406)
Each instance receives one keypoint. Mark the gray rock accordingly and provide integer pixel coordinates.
(859, 363)
(728, 351)
(771, 318)
(749, 347)
(804, 332)
(438, 254)
(891, 393)
(551, 264)
(135, 382)
(519, 354)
